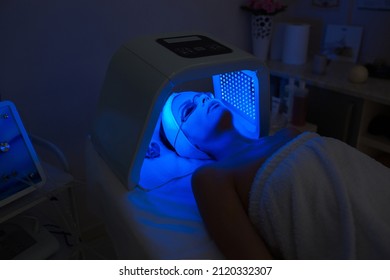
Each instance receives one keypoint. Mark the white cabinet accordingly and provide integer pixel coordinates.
(377, 146)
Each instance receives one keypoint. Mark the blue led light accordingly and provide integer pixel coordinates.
(238, 89)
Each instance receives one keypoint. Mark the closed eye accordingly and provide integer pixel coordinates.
(187, 110)
(189, 107)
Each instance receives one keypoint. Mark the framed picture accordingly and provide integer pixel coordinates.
(342, 42)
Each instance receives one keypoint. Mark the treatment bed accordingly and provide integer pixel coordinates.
(162, 222)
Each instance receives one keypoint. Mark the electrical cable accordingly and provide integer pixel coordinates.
(165, 183)
(59, 231)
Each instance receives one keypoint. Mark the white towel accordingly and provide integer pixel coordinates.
(318, 198)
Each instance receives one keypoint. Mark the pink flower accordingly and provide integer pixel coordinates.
(264, 7)
(258, 6)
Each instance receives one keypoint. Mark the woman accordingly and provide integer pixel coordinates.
(198, 126)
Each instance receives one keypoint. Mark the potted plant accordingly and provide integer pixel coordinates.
(262, 18)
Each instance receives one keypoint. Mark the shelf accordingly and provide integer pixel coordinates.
(307, 127)
(377, 142)
(335, 79)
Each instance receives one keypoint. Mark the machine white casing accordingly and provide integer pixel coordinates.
(141, 76)
(21, 160)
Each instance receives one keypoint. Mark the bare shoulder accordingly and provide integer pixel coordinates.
(238, 172)
(210, 174)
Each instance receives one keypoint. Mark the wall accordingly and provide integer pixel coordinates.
(376, 38)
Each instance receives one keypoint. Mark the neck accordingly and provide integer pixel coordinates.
(228, 144)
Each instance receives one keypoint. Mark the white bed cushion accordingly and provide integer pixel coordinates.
(164, 219)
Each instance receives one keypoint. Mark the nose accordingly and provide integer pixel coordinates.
(205, 98)
(202, 98)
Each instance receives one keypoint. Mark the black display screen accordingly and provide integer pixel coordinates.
(194, 46)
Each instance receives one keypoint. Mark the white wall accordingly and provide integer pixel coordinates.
(376, 34)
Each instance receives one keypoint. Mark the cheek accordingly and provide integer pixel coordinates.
(198, 128)
(203, 128)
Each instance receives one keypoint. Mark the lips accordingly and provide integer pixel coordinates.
(212, 106)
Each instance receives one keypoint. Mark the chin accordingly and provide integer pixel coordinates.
(225, 121)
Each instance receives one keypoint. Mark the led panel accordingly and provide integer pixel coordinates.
(240, 91)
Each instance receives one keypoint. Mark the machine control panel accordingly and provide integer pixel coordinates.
(194, 46)
(19, 165)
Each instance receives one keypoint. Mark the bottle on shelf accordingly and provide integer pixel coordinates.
(299, 106)
(289, 92)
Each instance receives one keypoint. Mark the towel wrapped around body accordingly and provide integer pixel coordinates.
(318, 198)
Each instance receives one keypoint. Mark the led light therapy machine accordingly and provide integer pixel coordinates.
(145, 72)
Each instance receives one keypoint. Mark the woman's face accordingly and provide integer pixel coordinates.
(200, 116)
